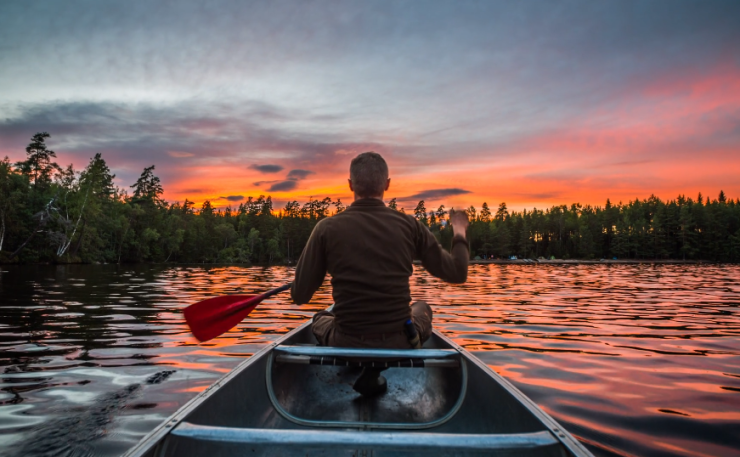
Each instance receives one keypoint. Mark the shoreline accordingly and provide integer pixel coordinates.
(418, 262)
(590, 262)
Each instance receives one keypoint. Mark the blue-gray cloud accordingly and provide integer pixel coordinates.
(283, 186)
(131, 136)
(233, 198)
(290, 182)
(241, 82)
(260, 183)
(434, 194)
(267, 168)
(297, 175)
(480, 64)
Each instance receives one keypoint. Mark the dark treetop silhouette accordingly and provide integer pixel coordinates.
(54, 214)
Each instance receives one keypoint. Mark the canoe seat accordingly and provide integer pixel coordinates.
(375, 358)
(312, 386)
(435, 443)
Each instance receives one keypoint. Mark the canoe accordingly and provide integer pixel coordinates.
(295, 398)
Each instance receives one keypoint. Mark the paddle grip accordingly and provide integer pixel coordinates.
(412, 334)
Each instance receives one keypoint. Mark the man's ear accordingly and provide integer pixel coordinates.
(350, 185)
(388, 184)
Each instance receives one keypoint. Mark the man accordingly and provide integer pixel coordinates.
(368, 250)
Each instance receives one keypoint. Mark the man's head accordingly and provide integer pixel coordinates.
(368, 175)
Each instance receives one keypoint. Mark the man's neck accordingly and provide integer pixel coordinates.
(357, 197)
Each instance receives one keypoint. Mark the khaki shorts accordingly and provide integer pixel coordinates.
(327, 335)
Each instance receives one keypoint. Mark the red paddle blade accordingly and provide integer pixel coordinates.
(210, 318)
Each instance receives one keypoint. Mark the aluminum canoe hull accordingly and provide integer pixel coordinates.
(295, 399)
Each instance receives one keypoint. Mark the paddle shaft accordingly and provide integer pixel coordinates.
(277, 290)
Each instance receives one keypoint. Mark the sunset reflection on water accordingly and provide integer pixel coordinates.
(632, 359)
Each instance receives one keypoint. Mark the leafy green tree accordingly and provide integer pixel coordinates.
(524, 247)
(226, 232)
(14, 189)
(734, 251)
(687, 233)
(501, 238)
(254, 241)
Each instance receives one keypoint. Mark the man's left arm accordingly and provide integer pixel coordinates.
(311, 268)
(449, 266)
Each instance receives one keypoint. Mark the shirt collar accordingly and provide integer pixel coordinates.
(368, 202)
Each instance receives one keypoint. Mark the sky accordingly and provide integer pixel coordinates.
(532, 103)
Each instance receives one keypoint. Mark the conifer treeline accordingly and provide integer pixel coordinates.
(54, 214)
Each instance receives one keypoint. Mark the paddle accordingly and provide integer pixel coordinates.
(210, 318)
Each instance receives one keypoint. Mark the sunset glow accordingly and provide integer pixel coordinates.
(529, 105)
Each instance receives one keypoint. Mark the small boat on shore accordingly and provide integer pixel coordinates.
(295, 398)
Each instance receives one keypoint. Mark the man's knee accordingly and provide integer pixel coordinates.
(422, 315)
(322, 327)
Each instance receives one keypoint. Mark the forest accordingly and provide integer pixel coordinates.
(60, 215)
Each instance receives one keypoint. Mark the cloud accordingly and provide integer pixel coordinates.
(473, 86)
(283, 186)
(260, 183)
(131, 136)
(290, 183)
(267, 168)
(297, 175)
(538, 195)
(179, 154)
(233, 198)
(435, 194)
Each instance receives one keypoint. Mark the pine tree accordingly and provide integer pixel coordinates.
(485, 213)
(502, 213)
(148, 187)
(38, 165)
(420, 212)
(440, 213)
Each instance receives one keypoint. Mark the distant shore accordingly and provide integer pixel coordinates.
(585, 262)
(416, 262)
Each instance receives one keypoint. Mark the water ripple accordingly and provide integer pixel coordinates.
(633, 359)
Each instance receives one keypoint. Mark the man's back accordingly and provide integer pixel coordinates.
(368, 250)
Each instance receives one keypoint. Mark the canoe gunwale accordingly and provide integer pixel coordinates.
(562, 435)
(161, 431)
(372, 425)
(406, 441)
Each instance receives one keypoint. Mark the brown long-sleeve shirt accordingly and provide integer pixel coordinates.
(368, 250)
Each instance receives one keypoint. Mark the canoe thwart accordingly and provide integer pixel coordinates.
(436, 443)
(339, 362)
(367, 353)
(294, 398)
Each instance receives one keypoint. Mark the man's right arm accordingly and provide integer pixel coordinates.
(311, 269)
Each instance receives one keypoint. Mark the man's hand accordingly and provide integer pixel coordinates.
(459, 221)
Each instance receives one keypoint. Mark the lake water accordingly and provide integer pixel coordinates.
(632, 359)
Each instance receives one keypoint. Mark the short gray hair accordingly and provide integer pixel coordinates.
(369, 174)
